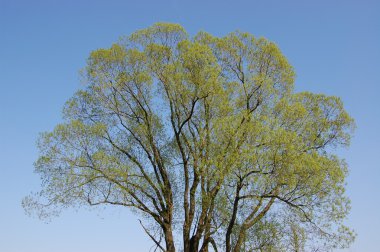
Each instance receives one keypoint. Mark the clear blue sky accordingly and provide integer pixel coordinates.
(333, 45)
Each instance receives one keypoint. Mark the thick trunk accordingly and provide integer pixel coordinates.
(169, 240)
(194, 244)
(186, 242)
(233, 219)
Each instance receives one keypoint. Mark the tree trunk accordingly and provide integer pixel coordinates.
(169, 239)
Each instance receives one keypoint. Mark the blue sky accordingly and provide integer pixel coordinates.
(333, 45)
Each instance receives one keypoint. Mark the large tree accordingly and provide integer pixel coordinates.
(206, 139)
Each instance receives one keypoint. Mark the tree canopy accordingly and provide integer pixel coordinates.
(206, 140)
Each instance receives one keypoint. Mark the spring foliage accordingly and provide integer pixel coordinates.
(206, 139)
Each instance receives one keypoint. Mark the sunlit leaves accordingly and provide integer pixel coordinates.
(204, 132)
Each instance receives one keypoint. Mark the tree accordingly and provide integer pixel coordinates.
(203, 137)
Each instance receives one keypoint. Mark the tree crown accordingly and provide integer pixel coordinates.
(204, 135)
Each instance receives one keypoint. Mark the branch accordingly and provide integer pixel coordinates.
(151, 236)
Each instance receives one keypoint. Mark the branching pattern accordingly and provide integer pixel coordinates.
(206, 139)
